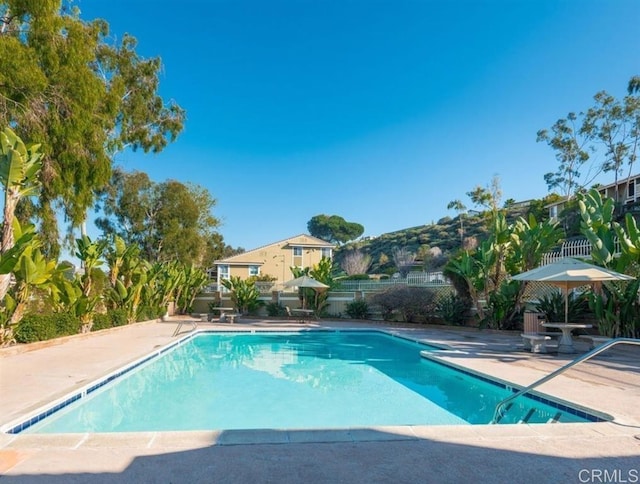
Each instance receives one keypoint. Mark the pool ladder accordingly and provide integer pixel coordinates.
(498, 412)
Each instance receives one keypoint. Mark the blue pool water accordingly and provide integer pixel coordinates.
(293, 381)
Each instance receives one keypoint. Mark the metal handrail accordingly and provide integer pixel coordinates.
(596, 351)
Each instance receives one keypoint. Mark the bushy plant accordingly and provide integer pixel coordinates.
(617, 310)
(244, 294)
(412, 302)
(553, 306)
(146, 312)
(501, 312)
(100, 321)
(66, 324)
(118, 317)
(41, 327)
(275, 309)
(453, 309)
(35, 327)
(357, 277)
(358, 309)
(110, 319)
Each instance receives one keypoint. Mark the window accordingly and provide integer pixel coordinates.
(223, 273)
(326, 252)
(631, 189)
(254, 271)
(297, 257)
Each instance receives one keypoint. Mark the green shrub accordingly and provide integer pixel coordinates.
(412, 302)
(502, 311)
(453, 308)
(118, 317)
(35, 327)
(552, 306)
(66, 324)
(100, 321)
(357, 277)
(275, 309)
(146, 313)
(244, 294)
(41, 327)
(110, 319)
(358, 309)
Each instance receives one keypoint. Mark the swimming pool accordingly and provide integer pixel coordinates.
(289, 380)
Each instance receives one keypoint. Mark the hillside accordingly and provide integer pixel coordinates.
(443, 235)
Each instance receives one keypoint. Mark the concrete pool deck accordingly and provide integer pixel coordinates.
(587, 452)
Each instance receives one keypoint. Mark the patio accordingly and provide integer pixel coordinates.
(522, 453)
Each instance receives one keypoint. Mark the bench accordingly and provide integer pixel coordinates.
(200, 316)
(537, 343)
(535, 336)
(595, 341)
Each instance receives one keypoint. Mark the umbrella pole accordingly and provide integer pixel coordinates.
(566, 304)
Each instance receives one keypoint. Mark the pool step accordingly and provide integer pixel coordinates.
(527, 416)
(555, 418)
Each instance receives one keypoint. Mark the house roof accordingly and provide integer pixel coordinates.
(600, 188)
(301, 240)
(621, 181)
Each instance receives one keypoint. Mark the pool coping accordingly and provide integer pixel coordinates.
(206, 438)
(17, 425)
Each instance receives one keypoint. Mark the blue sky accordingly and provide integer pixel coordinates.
(378, 111)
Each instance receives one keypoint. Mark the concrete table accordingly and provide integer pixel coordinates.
(565, 345)
(223, 313)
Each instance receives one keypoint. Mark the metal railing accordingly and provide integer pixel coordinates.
(497, 414)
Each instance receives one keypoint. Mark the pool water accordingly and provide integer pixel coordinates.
(291, 381)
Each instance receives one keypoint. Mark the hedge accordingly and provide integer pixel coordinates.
(41, 327)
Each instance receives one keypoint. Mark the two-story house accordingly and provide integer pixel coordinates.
(275, 259)
(626, 193)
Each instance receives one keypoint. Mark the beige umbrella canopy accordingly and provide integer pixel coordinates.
(306, 281)
(568, 273)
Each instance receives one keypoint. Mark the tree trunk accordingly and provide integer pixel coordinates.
(17, 315)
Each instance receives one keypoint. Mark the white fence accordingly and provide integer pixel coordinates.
(580, 248)
(421, 279)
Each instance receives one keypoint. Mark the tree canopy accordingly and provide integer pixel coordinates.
(603, 138)
(168, 220)
(334, 228)
(63, 82)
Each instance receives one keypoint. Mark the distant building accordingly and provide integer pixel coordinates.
(627, 196)
(275, 259)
